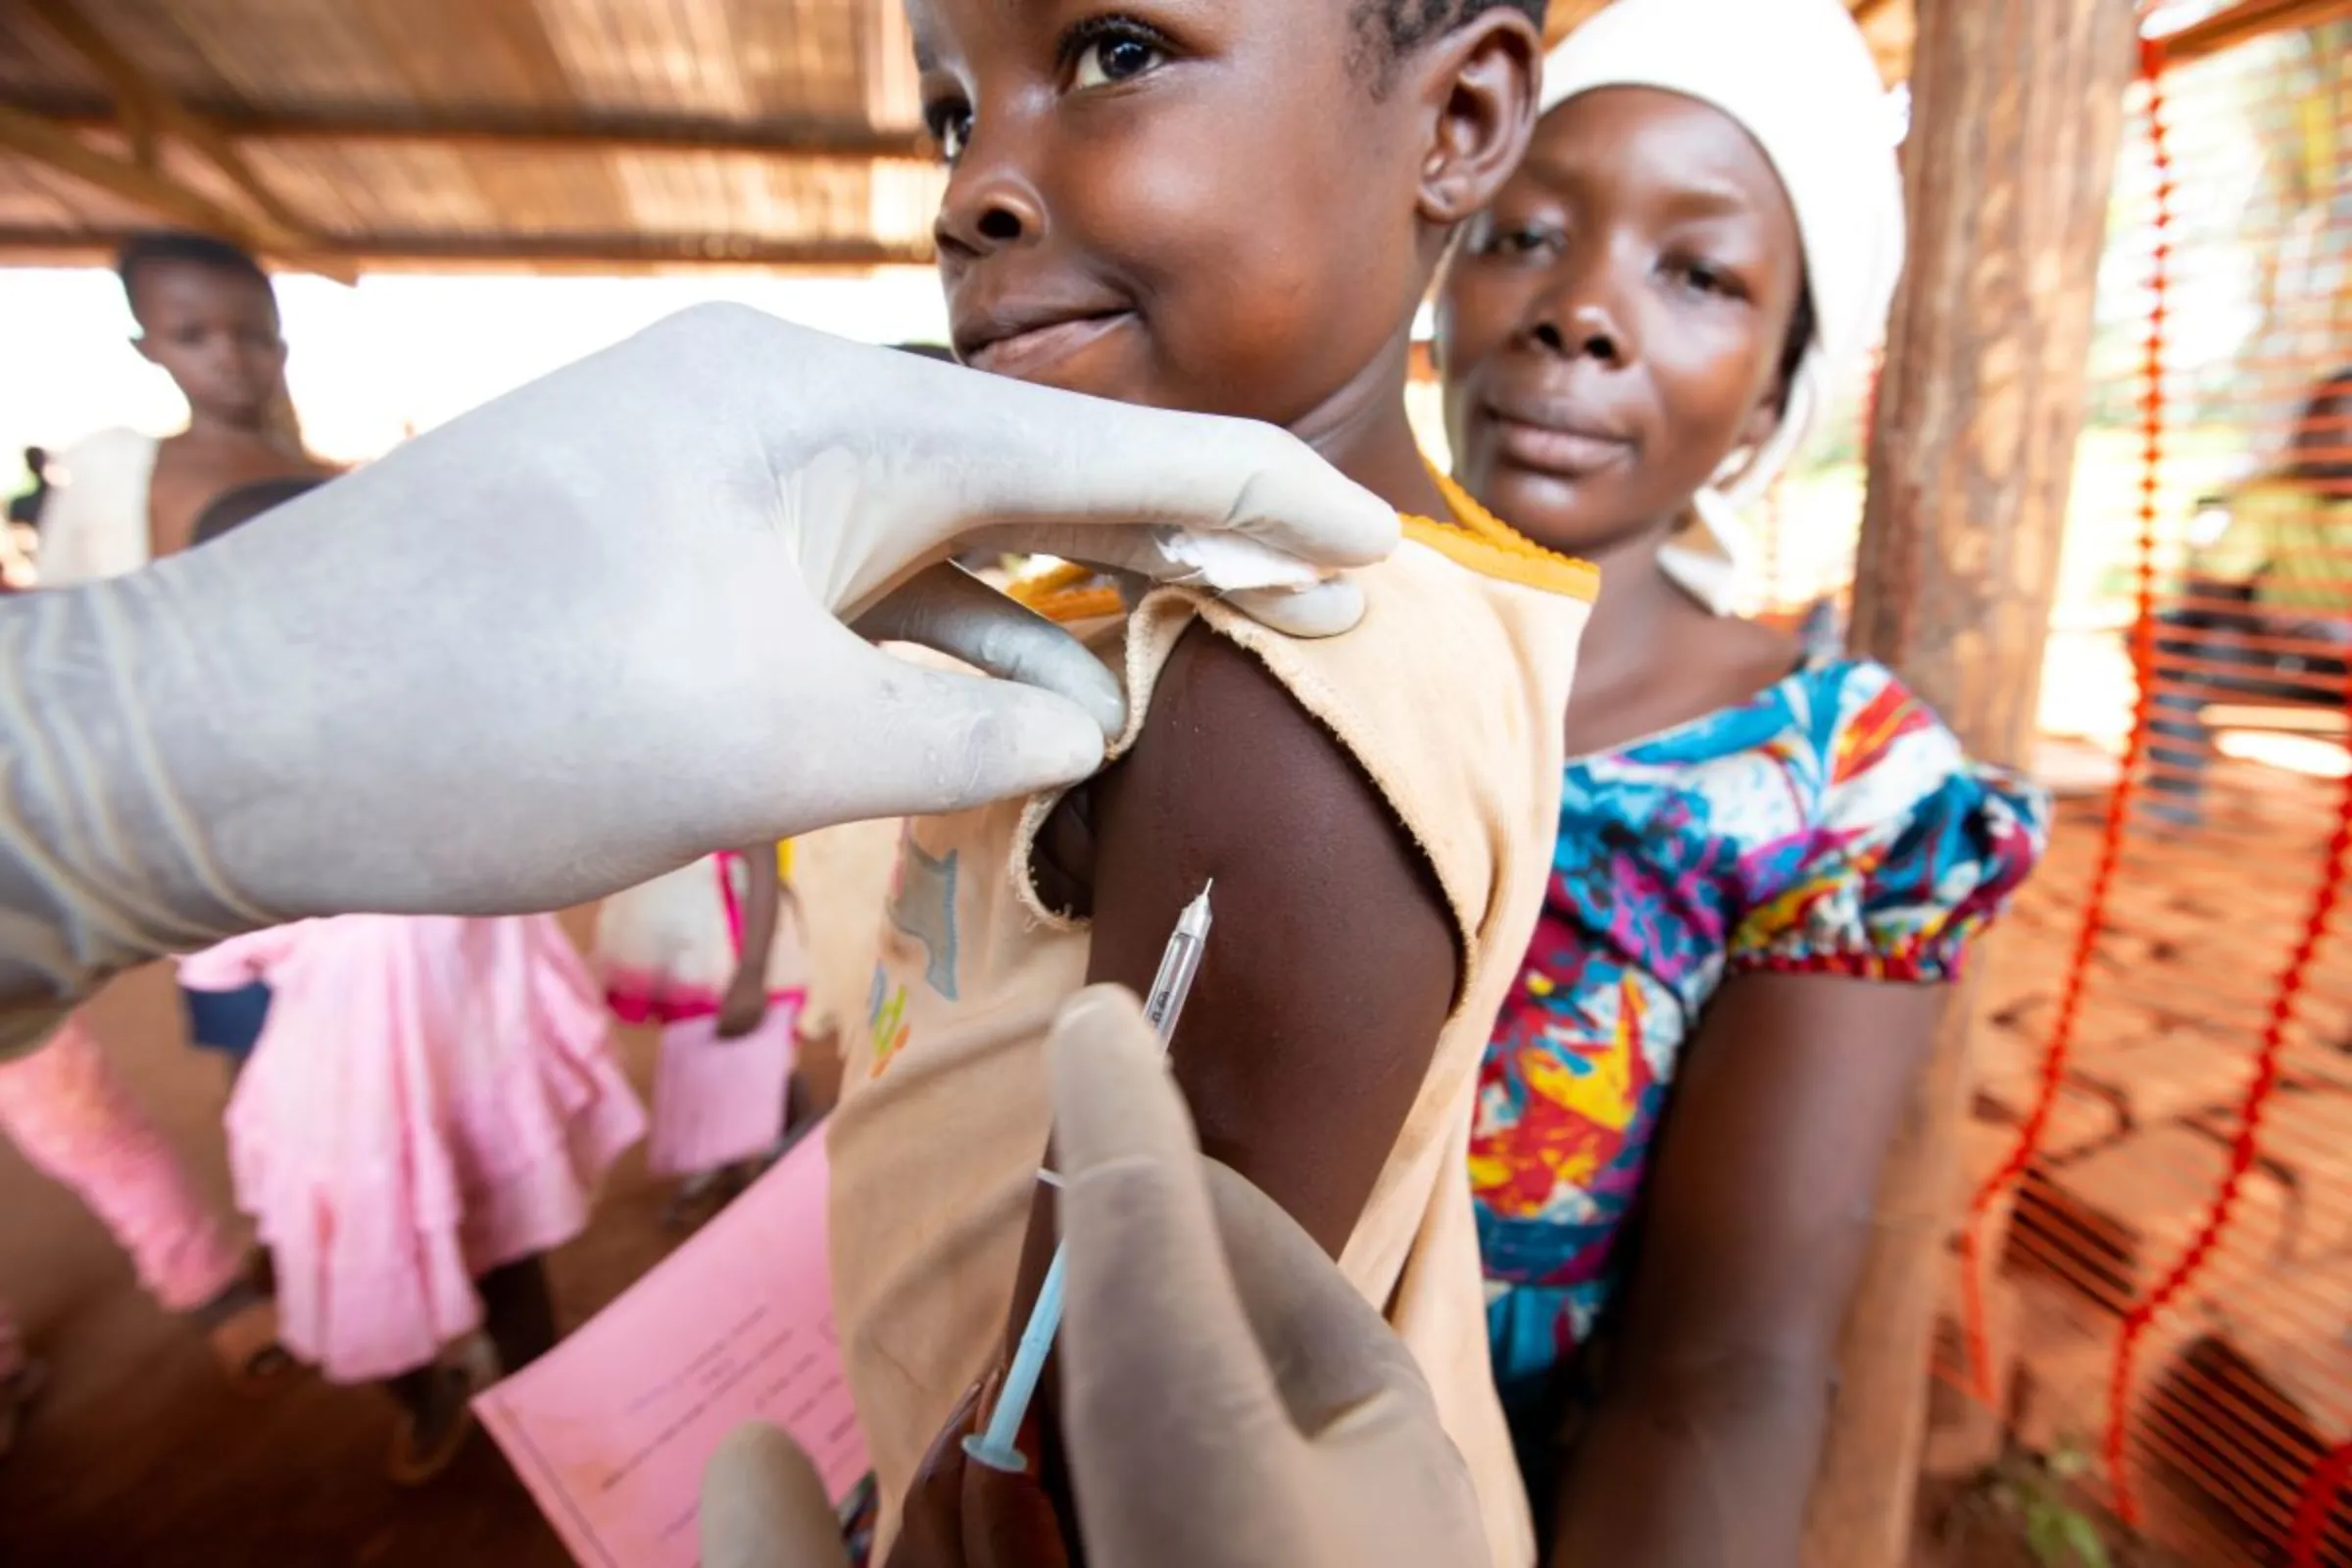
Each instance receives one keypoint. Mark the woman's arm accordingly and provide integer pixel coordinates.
(745, 1001)
(1705, 1443)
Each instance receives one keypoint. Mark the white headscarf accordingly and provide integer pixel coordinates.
(1798, 77)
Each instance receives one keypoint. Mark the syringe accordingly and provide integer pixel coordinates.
(993, 1447)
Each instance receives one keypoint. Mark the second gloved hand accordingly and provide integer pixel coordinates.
(1229, 1397)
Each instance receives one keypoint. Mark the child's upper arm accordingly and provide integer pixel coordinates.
(1333, 961)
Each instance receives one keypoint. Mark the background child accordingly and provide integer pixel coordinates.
(431, 1104)
(1234, 207)
(111, 503)
(1766, 865)
(712, 953)
(207, 315)
(430, 1107)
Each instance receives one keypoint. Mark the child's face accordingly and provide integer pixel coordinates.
(1613, 326)
(1195, 204)
(214, 331)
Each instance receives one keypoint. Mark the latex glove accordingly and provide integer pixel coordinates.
(593, 630)
(763, 1506)
(1229, 1398)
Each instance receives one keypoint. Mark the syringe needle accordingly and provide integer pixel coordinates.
(994, 1446)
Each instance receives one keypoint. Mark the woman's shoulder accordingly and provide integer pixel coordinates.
(1879, 746)
(1847, 743)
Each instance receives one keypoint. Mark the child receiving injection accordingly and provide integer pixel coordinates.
(1234, 207)
(1767, 864)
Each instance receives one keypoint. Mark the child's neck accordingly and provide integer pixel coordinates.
(1362, 431)
(213, 428)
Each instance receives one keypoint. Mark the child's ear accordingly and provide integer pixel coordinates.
(139, 340)
(1483, 79)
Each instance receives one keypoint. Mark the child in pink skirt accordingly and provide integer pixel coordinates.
(430, 1104)
(713, 952)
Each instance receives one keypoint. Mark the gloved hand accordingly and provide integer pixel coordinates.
(1229, 1398)
(595, 629)
(764, 1506)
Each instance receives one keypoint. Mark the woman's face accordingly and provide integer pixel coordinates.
(1613, 328)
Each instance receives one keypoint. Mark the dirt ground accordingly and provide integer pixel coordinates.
(139, 1453)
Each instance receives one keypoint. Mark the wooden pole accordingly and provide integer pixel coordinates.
(2016, 114)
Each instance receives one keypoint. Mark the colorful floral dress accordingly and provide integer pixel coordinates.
(1828, 825)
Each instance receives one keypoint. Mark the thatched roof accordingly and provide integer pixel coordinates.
(598, 133)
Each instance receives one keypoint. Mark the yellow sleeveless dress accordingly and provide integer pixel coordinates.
(1452, 696)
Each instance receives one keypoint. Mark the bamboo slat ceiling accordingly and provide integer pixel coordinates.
(591, 132)
(609, 134)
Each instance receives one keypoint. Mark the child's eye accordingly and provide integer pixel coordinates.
(951, 125)
(1523, 239)
(1109, 50)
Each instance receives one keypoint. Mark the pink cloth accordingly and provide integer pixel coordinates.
(716, 1101)
(74, 1119)
(431, 1097)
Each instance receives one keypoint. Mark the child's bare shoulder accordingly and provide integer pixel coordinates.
(1226, 771)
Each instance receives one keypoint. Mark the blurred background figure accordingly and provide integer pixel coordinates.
(714, 954)
(208, 317)
(21, 542)
(2267, 596)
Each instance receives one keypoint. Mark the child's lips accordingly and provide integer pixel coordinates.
(1030, 353)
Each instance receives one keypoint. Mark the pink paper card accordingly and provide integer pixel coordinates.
(611, 1428)
(716, 1101)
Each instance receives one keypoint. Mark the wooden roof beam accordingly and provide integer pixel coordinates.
(51, 144)
(601, 253)
(147, 108)
(2245, 22)
(771, 138)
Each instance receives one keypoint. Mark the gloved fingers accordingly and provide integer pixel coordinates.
(887, 738)
(1166, 1395)
(948, 610)
(1324, 610)
(1103, 465)
(1353, 1390)
(1334, 1359)
(1159, 553)
(1264, 585)
(763, 1506)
